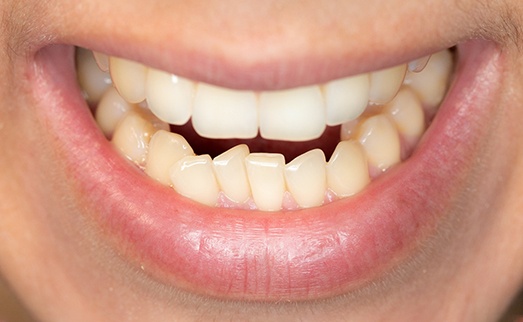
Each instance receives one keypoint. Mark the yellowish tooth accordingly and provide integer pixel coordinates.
(102, 61)
(347, 170)
(232, 175)
(193, 177)
(110, 110)
(385, 84)
(346, 98)
(265, 173)
(129, 78)
(165, 149)
(92, 80)
(306, 178)
(407, 113)
(348, 129)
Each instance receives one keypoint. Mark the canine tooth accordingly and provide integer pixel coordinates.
(92, 80)
(381, 141)
(169, 97)
(385, 84)
(306, 178)
(265, 173)
(129, 78)
(231, 173)
(419, 64)
(347, 170)
(292, 115)
(407, 112)
(165, 149)
(102, 60)
(346, 98)
(110, 110)
(193, 177)
(224, 113)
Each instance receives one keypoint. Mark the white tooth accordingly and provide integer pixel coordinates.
(231, 173)
(193, 177)
(129, 78)
(385, 84)
(132, 136)
(110, 110)
(102, 61)
(407, 113)
(165, 149)
(265, 173)
(169, 97)
(292, 115)
(419, 64)
(346, 98)
(306, 178)
(347, 170)
(222, 113)
(92, 80)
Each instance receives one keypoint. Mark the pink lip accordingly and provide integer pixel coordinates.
(248, 255)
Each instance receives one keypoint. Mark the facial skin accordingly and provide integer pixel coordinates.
(63, 265)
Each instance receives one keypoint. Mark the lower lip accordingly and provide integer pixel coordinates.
(250, 255)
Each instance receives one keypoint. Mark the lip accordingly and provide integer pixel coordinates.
(250, 255)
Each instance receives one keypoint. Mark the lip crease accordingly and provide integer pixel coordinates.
(251, 255)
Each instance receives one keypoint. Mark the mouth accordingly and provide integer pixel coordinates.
(228, 193)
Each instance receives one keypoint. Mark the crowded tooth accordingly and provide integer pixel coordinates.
(193, 177)
(381, 141)
(306, 178)
(102, 60)
(231, 174)
(347, 170)
(110, 110)
(165, 149)
(92, 80)
(385, 84)
(169, 97)
(129, 78)
(407, 112)
(346, 99)
(265, 173)
(292, 115)
(222, 113)
(419, 64)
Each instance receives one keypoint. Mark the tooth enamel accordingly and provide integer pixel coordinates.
(381, 142)
(265, 173)
(348, 129)
(347, 170)
(419, 64)
(165, 149)
(169, 97)
(407, 112)
(225, 113)
(92, 80)
(102, 61)
(346, 99)
(306, 178)
(292, 115)
(110, 110)
(129, 78)
(385, 84)
(231, 174)
(193, 177)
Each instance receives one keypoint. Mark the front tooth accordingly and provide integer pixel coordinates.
(346, 99)
(222, 113)
(385, 84)
(165, 149)
(306, 178)
(292, 115)
(407, 112)
(347, 170)
(265, 173)
(419, 64)
(193, 177)
(91, 79)
(381, 141)
(232, 175)
(129, 78)
(169, 97)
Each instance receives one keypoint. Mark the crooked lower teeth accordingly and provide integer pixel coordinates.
(382, 116)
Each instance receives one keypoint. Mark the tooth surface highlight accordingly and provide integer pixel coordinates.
(384, 84)
(225, 113)
(92, 80)
(407, 112)
(292, 115)
(231, 173)
(381, 141)
(265, 173)
(129, 78)
(347, 170)
(346, 99)
(306, 178)
(419, 64)
(110, 110)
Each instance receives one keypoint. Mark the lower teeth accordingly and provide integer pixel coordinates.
(380, 137)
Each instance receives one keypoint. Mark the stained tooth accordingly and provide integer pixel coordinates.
(292, 115)
(346, 99)
(225, 113)
(407, 113)
(92, 80)
(169, 97)
(193, 177)
(265, 173)
(347, 170)
(129, 78)
(102, 61)
(381, 142)
(385, 84)
(231, 173)
(165, 149)
(306, 178)
(419, 64)
(110, 110)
